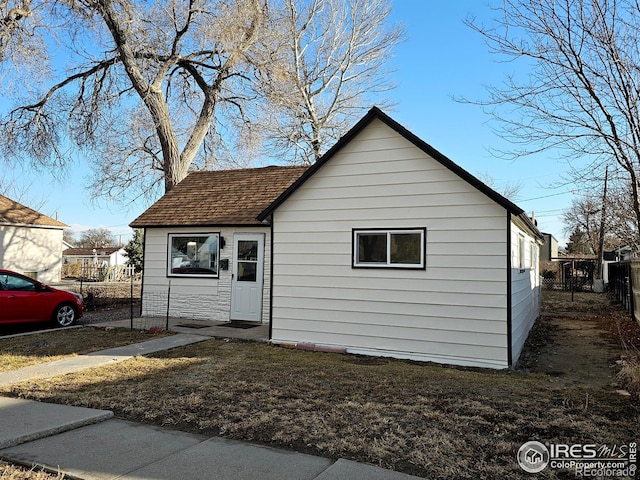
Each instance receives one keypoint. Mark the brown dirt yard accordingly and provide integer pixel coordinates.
(579, 342)
(424, 419)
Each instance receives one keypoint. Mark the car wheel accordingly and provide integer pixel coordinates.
(64, 316)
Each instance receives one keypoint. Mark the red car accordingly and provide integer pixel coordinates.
(23, 299)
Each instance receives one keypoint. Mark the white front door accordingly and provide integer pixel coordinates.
(247, 279)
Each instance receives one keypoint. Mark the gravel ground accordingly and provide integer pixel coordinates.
(109, 314)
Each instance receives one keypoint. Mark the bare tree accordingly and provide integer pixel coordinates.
(510, 189)
(24, 60)
(12, 19)
(26, 193)
(69, 237)
(584, 221)
(146, 84)
(96, 238)
(581, 90)
(585, 215)
(622, 223)
(333, 58)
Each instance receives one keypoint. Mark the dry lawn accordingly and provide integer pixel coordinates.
(423, 419)
(14, 472)
(22, 351)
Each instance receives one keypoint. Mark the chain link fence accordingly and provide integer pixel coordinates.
(160, 304)
(119, 301)
(156, 309)
(571, 275)
(107, 301)
(101, 295)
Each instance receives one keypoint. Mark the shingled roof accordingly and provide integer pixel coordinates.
(86, 252)
(221, 197)
(14, 213)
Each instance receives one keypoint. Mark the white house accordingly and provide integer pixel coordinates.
(30, 242)
(383, 247)
(102, 256)
(203, 241)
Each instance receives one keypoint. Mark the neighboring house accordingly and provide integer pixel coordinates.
(30, 242)
(102, 256)
(550, 266)
(383, 247)
(549, 249)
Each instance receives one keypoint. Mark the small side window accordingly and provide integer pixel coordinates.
(521, 252)
(397, 248)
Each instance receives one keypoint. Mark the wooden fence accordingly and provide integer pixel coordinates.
(99, 273)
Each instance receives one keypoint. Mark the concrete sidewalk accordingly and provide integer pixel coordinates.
(92, 445)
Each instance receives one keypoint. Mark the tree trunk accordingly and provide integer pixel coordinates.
(152, 97)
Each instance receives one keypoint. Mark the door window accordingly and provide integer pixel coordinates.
(247, 260)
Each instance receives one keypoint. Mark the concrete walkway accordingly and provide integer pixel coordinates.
(258, 332)
(96, 359)
(93, 445)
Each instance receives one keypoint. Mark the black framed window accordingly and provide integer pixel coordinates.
(193, 254)
(384, 248)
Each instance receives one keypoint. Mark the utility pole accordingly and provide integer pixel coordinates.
(602, 220)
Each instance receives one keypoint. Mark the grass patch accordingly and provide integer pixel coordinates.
(25, 350)
(560, 301)
(421, 419)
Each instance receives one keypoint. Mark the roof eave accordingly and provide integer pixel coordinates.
(526, 223)
(33, 225)
(201, 225)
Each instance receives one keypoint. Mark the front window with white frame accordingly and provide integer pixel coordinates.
(193, 254)
(389, 248)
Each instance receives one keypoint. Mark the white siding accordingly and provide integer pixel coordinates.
(26, 249)
(525, 289)
(454, 311)
(118, 258)
(192, 297)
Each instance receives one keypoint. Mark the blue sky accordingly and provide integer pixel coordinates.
(441, 58)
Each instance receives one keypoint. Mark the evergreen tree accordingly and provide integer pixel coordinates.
(134, 250)
(578, 243)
